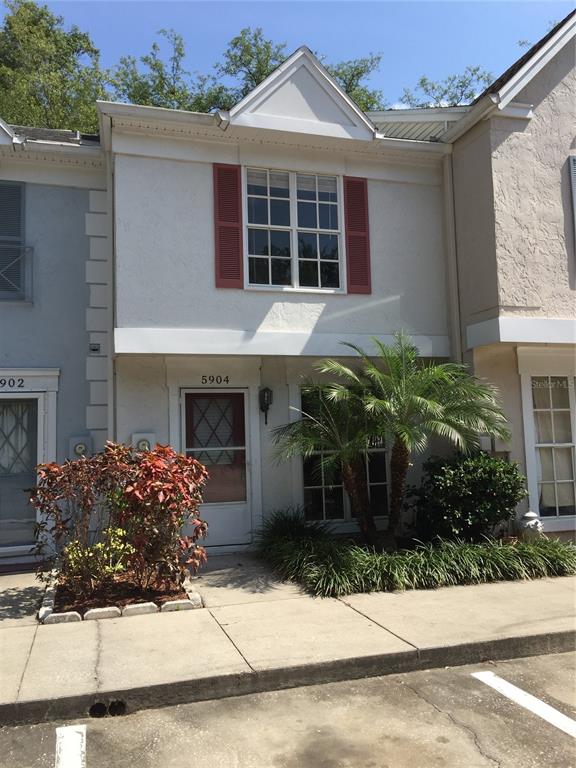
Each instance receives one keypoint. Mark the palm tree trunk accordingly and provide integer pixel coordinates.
(354, 481)
(399, 463)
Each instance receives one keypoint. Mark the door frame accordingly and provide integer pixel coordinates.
(45, 447)
(247, 447)
(185, 373)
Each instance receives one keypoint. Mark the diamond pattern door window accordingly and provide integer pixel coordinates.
(216, 437)
(18, 459)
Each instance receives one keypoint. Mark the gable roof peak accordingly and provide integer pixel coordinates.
(301, 96)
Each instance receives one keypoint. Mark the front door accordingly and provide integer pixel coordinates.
(215, 435)
(18, 459)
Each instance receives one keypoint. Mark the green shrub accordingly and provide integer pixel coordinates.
(307, 554)
(86, 568)
(466, 497)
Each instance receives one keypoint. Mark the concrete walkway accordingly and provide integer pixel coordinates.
(259, 634)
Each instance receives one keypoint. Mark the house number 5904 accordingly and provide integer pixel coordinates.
(215, 379)
(12, 383)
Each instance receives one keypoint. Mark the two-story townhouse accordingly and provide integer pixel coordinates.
(250, 244)
(247, 246)
(53, 261)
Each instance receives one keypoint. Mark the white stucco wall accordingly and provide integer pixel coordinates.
(165, 260)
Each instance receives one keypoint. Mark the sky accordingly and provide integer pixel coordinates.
(414, 38)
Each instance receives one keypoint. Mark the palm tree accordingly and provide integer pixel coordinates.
(334, 430)
(408, 401)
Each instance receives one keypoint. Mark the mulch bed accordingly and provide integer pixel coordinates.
(122, 591)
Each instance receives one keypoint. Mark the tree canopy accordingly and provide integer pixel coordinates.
(453, 91)
(50, 75)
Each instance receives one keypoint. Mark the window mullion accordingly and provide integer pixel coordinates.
(294, 226)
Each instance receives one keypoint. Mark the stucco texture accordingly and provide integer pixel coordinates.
(534, 225)
(50, 332)
(165, 261)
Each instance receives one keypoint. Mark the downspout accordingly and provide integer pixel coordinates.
(112, 384)
(453, 280)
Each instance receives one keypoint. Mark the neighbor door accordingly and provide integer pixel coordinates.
(215, 433)
(18, 459)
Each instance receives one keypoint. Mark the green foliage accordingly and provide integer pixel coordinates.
(250, 58)
(326, 567)
(453, 91)
(246, 62)
(398, 398)
(150, 495)
(409, 400)
(49, 76)
(465, 497)
(338, 430)
(350, 75)
(165, 82)
(86, 568)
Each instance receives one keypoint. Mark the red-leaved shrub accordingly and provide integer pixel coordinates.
(150, 495)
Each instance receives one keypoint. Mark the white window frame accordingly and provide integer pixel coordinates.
(293, 229)
(348, 518)
(534, 363)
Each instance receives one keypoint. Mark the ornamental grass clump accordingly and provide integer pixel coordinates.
(327, 567)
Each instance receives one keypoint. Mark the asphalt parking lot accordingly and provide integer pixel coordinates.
(506, 714)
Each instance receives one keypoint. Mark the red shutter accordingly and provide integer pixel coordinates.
(357, 235)
(228, 226)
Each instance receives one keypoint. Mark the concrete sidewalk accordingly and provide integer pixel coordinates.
(259, 634)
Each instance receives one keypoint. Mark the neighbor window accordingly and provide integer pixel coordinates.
(14, 257)
(553, 408)
(294, 230)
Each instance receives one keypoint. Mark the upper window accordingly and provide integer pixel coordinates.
(14, 257)
(293, 230)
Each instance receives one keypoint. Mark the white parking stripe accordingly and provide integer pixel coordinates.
(526, 700)
(71, 746)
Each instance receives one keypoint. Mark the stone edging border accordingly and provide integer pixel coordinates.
(46, 614)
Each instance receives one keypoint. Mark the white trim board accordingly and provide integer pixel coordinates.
(537, 62)
(536, 330)
(196, 341)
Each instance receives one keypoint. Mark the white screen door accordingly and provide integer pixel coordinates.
(215, 435)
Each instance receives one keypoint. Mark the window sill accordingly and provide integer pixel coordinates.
(558, 523)
(292, 289)
(16, 302)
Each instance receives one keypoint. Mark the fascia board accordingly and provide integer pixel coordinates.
(60, 148)
(508, 91)
(154, 114)
(481, 110)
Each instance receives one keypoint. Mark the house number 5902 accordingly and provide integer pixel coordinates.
(12, 383)
(215, 379)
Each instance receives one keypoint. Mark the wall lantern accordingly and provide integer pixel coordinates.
(265, 397)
